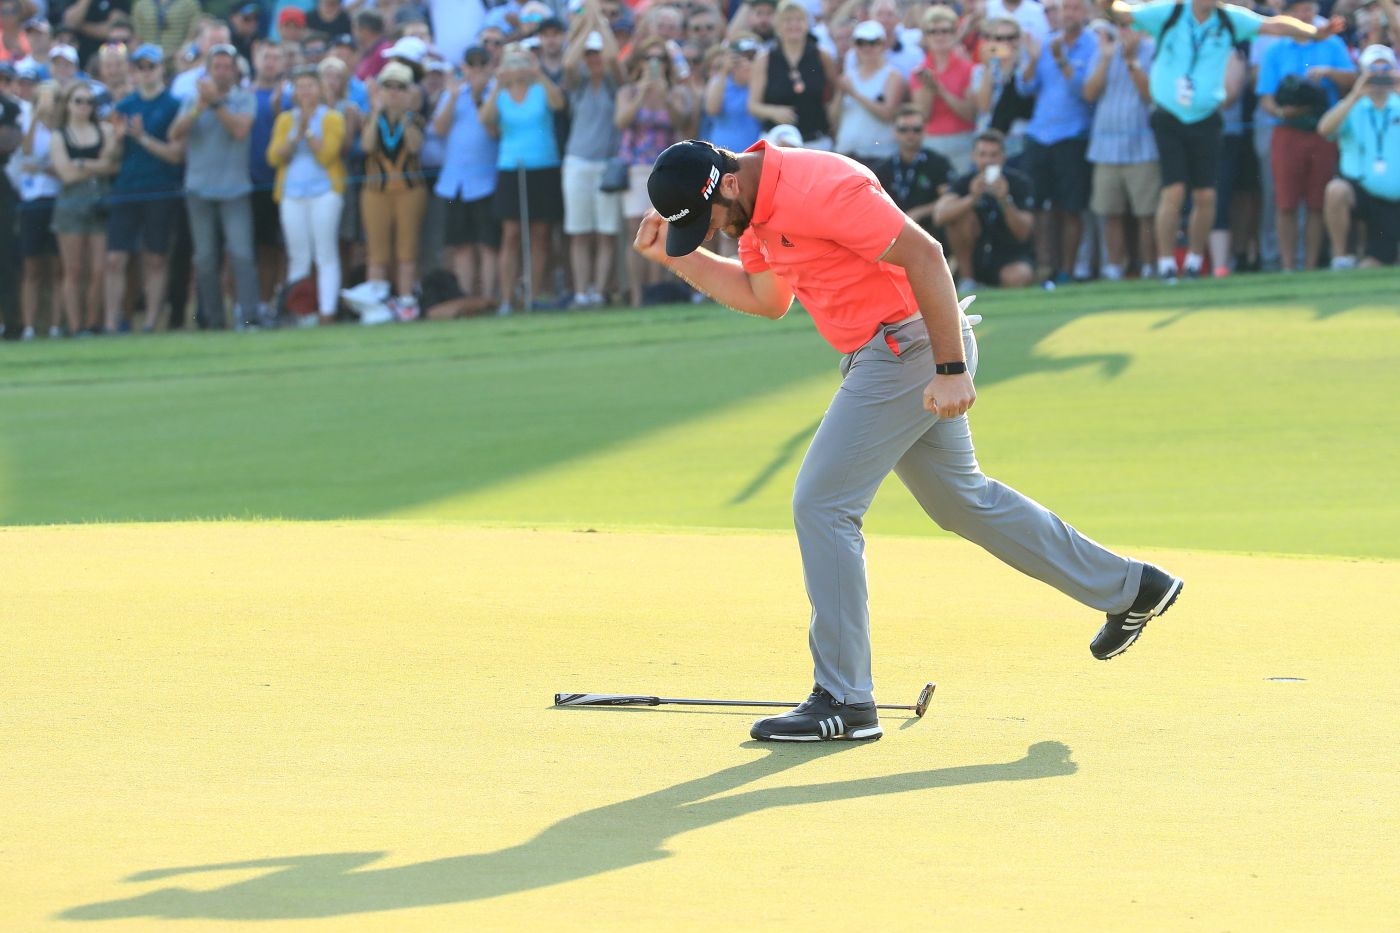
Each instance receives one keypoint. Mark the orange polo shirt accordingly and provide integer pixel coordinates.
(821, 223)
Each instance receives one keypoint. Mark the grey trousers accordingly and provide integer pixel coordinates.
(877, 423)
(215, 226)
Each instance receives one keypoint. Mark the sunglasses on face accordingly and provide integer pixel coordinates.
(146, 66)
(491, 43)
(909, 129)
(394, 86)
(940, 31)
(1003, 36)
(868, 43)
(81, 101)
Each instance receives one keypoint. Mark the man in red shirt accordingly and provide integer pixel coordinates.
(817, 227)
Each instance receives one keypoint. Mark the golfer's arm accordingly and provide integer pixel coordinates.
(932, 283)
(761, 293)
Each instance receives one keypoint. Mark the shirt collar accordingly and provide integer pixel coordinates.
(767, 180)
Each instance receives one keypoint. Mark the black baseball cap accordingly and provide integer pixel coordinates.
(683, 181)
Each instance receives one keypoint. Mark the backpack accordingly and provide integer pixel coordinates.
(1175, 16)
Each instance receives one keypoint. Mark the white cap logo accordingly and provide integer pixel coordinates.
(675, 217)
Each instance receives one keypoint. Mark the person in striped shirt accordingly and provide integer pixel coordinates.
(1127, 175)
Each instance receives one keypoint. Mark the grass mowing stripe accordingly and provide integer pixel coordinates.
(1145, 413)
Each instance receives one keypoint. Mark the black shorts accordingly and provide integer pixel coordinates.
(1190, 152)
(1060, 173)
(988, 259)
(545, 188)
(267, 220)
(471, 223)
(35, 234)
(1239, 174)
(142, 222)
(1382, 219)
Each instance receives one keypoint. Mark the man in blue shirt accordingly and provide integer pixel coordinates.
(1187, 83)
(1057, 138)
(1367, 126)
(1298, 81)
(146, 197)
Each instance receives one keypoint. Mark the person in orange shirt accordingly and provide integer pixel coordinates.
(818, 227)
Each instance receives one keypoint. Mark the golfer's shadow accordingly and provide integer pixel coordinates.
(605, 839)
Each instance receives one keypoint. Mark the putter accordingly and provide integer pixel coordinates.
(626, 699)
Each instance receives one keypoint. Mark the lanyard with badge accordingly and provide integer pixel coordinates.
(1185, 86)
(1379, 127)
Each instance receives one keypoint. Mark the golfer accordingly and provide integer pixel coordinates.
(818, 227)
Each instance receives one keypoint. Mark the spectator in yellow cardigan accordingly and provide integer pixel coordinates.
(306, 151)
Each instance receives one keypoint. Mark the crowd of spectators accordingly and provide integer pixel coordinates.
(176, 163)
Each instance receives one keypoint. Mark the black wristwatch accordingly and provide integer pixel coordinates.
(950, 369)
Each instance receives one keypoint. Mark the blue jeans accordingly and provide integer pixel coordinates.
(217, 226)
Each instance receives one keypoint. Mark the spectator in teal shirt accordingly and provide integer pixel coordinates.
(1367, 126)
(1298, 81)
(1187, 83)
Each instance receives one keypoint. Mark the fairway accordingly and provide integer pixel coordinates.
(285, 614)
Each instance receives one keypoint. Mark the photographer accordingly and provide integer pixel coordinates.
(1367, 126)
(1298, 81)
(989, 216)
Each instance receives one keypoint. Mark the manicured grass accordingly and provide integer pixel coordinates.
(1253, 414)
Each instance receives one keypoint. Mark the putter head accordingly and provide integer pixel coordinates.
(925, 695)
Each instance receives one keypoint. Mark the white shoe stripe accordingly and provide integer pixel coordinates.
(840, 726)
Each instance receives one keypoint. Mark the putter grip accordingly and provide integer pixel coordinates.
(604, 699)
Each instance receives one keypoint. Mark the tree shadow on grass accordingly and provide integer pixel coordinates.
(604, 839)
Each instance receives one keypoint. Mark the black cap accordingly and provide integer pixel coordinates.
(683, 181)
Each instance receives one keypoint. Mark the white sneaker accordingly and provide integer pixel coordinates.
(28, 334)
(1343, 262)
(380, 314)
(582, 300)
(55, 332)
(967, 286)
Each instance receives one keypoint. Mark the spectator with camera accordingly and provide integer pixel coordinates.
(1194, 44)
(1000, 106)
(520, 112)
(654, 110)
(1298, 83)
(145, 203)
(989, 216)
(1366, 124)
(592, 216)
(1127, 177)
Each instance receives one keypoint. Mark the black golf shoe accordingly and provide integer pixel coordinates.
(820, 718)
(1156, 594)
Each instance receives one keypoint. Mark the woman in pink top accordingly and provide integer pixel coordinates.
(942, 89)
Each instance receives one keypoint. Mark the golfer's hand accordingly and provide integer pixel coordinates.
(950, 396)
(651, 237)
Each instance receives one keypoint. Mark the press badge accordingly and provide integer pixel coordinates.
(1185, 91)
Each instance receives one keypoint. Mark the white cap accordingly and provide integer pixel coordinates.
(65, 52)
(868, 31)
(594, 42)
(530, 42)
(784, 135)
(409, 48)
(1375, 54)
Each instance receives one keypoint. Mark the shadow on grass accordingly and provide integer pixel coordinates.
(601, 840)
